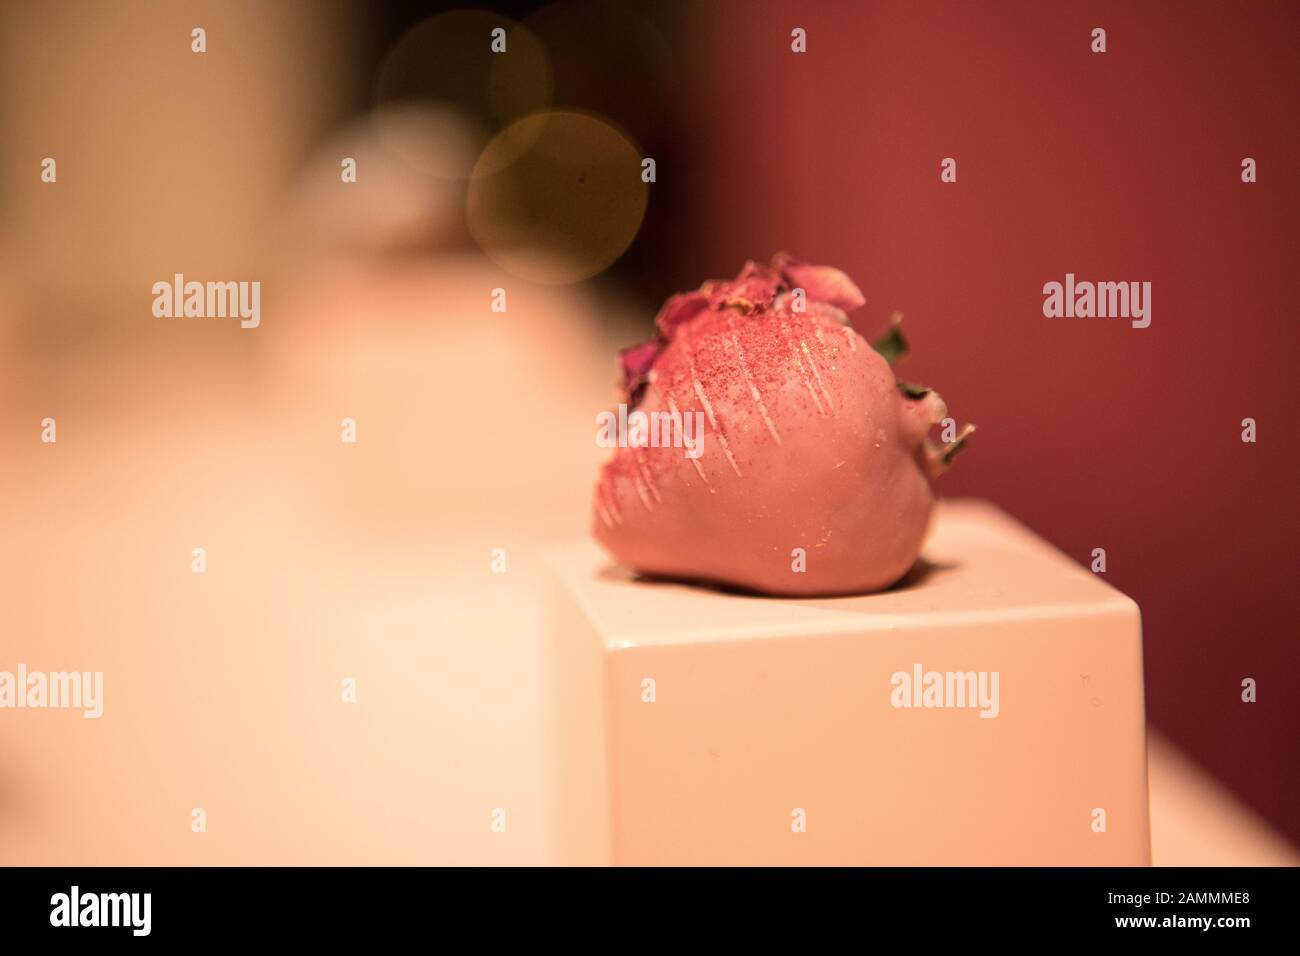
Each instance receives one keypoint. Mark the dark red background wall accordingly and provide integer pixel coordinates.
(1117, 166)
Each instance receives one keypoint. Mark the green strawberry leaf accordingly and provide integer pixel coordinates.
(892, 346)
(950, 450)
(913, 391)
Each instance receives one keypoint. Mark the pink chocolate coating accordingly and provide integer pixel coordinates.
(808, 444)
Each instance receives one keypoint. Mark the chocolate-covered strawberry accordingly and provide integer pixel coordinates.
(809, 442)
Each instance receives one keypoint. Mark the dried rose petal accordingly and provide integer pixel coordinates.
(821, 283)
(636, 362)
(755, 290)
(752, 291)
(678, 309)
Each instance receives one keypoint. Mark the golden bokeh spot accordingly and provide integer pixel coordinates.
(557, 197)
(448, 59)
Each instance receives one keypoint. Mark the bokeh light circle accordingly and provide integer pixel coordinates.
(447, 61)
(557, 197)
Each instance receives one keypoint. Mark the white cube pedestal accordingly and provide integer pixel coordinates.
(699, 727)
